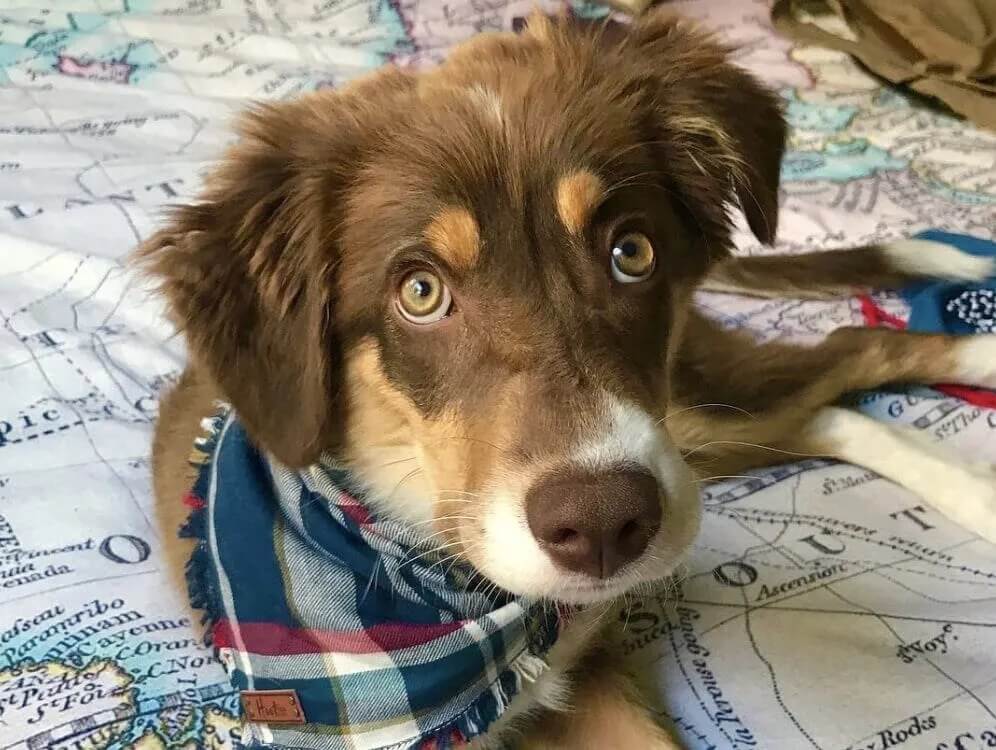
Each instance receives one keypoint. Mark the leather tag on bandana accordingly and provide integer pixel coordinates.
(272, 706)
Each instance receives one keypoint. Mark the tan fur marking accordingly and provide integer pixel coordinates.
(539, 26)
(609, 712)
(180, 413)
(578, 195)
(380, 436)
(454, 234)
(424, 467)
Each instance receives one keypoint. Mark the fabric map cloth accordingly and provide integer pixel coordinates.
(385, 645)
(821, 607)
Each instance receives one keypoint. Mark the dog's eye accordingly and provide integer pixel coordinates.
(633, 258)
(423, 298)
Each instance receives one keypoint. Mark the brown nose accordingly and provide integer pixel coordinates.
(594, 523)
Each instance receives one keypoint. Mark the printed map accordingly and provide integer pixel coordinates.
(824, 607)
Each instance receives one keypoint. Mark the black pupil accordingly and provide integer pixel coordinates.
(630, 249)
(422, 288)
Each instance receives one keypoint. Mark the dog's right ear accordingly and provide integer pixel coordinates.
(718, 132)
(247, 270)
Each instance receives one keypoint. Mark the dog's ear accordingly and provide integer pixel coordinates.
(718, 126)
(247, 271)
(719, 133)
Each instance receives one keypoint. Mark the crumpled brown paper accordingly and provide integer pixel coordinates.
(941, 48)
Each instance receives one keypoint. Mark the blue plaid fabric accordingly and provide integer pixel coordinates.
(306, 590)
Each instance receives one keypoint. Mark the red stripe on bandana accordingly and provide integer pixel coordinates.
(271, 639)
(454, 740)
(876, 317)
(356, 512)
(192, 501)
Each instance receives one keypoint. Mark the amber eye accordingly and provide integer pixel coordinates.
(423, 298)
(633, 257)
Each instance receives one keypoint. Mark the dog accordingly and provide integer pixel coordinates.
(473, 286)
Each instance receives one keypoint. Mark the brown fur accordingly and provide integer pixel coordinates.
(614, 713)
(180, 414)
(830, 273)
(508, 170)
(765, 394)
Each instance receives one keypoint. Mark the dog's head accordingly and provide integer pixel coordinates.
(469, 284)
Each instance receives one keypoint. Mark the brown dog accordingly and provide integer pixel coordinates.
(472, 285)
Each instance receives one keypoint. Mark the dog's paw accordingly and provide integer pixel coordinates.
(968, 497)
(937, 260)
(975, 360)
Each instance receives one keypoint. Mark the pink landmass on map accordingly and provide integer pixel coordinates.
(95, 70)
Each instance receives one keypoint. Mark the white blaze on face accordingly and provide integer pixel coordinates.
(511, 556)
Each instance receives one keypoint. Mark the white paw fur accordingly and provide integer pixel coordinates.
(937, 260)
(965, 493)
(975, 360)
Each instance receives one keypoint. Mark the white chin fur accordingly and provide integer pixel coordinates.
(512, 558)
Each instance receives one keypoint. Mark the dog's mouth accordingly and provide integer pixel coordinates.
(593, 592)
(572, 590)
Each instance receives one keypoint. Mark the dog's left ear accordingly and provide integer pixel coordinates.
(719, 127)
(248, 270)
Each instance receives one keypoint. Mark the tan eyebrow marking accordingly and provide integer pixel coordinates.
(577, 196)
(454, 234)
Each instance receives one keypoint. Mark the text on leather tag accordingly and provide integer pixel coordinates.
(272, 706)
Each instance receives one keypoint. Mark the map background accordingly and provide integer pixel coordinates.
(109, 110)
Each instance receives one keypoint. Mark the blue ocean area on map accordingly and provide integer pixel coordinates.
(839, 162)
(819, 116)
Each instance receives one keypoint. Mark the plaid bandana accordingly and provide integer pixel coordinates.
(365, 640)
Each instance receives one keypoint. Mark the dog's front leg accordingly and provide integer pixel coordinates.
(607, 712)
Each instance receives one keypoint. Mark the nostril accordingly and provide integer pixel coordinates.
(632, 538)
(630, 529)
(563, 536)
